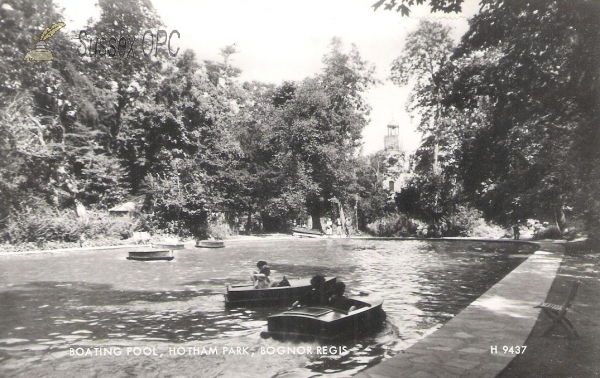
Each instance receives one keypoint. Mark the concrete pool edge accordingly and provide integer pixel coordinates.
(269, 237)
(502, 316)
(188, 245)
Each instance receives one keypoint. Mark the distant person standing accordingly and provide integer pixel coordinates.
(536, 228)
(329, 228)
(339, 228)
(516, 231)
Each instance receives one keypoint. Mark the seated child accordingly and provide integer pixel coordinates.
(261, 282)
(317, 295)
(261, 279)
(338, 300)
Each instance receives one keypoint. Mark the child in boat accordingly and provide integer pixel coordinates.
(317, 295)
(261, 279)
(338, 300)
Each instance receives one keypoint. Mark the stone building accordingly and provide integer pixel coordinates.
(397, 160)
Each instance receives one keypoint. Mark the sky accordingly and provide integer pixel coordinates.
(285, 40)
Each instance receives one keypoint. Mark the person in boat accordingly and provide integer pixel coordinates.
(317, 295)
(261, 279)
(338, 300)
(284, 282)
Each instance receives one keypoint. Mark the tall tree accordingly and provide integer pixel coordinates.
(325, 119)
(423, 62)
(182, 143)
(531, 77)
(272, 181)
(131, 70)
(54, 100)
(425, 54)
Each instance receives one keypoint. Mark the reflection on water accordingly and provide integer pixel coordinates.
(49, 304)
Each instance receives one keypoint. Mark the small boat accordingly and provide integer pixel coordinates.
(209, 244)
(151, 255)
(328, 323)
(247, 295)
(306, 233)
(169, 245)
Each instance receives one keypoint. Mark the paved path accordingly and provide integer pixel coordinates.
(503, 316)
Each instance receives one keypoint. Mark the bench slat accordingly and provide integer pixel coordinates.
(559, 312)
(550, 306)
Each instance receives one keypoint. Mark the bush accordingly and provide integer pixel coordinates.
(392, 225)
(41, 227)
(462, 223)
(550, 232)
(49, 228)
(482, 229)
(103, 225)
(219, 231)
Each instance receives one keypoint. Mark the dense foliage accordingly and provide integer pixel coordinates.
(518, 113)
(509, 119)
(183, 137)
(527, 73)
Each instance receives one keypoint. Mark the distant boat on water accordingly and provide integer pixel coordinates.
(166, 245)
(151, 255)
(210, 244)
(306, 233)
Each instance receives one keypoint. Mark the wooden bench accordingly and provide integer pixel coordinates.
(558, 313)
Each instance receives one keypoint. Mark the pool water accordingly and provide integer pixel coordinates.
(50, 305)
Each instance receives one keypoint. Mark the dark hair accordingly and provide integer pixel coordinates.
(339, 288)
(317, 281)
(260, 264)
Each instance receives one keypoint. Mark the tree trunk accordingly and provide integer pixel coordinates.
(316, 221)
(343, 220)
(315, 209)
(249, 223)
(560, 218)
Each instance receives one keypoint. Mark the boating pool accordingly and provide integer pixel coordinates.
(95, 313)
